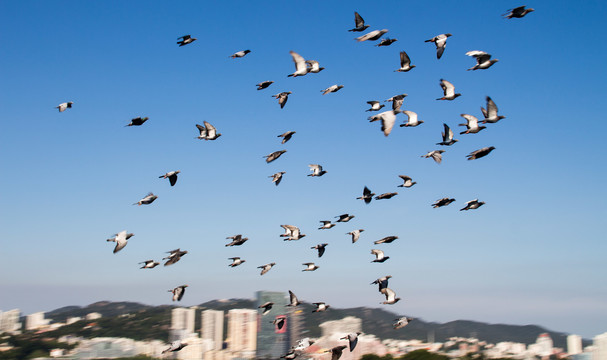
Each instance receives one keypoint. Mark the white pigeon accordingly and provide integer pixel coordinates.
(301, 68)
(401, 322)
(321, 306)
(375, 105)
(472, 204)
(373, 35)
(178, 292)
(436, 155)
(407, 181)
(412, 119)
(326, 224)
(291, 232)
(314, 66)
(355, 234)
(405, 63)
(63, 106)
(380, 257)
(236, 261)
(310, 266)
(490, 113)
(316, 170)
(121, 240)
(391, 298)
(441, 42)
(352, 339)
(483, 60)
(448, 90)
(471, 124)
(276, 178)
(207, 132)
(148, 199)
(388, 118)
(175, 346)
(397, 101)
(149, 264)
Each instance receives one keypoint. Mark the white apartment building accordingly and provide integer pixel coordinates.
(212, 327)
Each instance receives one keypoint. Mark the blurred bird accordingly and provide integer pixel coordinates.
(391, 298)
(375, 105)
(174, 257)
(265, 268)
(345, 217)
(266, 307)
(407, 181)
(405, 63)
(386, 42)
(387, 120)
(386, 195)
(63, 106)
(137, 121)
(401, 322)
(483, 60)
(316, 170)
(379, 256)
(382, 282)
(178, 292)
(367, 195)
(442, 202)
(273, 156)
(471, 124)
(263, 85)
(436, 155)
(412, 119)
(282, 98)
(359, 23)
(207, 132)
(292, 232)
(236, 261)
(237, 240)
(447, 135)
(121, 239)
(279, 322)
(326, 224)
(240, 54)
(332, 88)
(490, 114)
(385, 240)
(276, 178)
(293, 301)
(477, 154)
(301, 68)
(472, 204)
(286, 136)
(310, 266)
(441, 42)
(292, 354)
(175, 345)
(320, 248)
(355, 234)
(448, 90)
(149, 264)
(320, 307)
(336, 351)
(517, 12)
(373, 35)
(352, 338)
(185, 39)
(172, 176)
(314, 66)
(148, 199)
(302, 344)
(397, 101)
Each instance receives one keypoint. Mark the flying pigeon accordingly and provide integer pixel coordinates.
(387, 120)
(407, 181)
(336, 352)
(121, 240)
(440, 41)
(148, 199)
(292, 354)
(375, 105)
(178, 292)
(185, 39)
(379, 256)
(279, 322)
(373, 35)
(436, 155)
(313, 66)
(263, 85)
(352, 338)
(316, 170)
(359, 22)
(332, 88)
(401, 322)
(477, 154)
(345, 217)
(137, 121)
(174, 256)
(291, 232)
(447, 135)
(175, 346)
(442, 202)
(172, 176)
(321, 306)
(405, 63)
(471, 124)
(265, 268)
(491, 113)
(397, 101)
(149, 264)
(382, 282)
(517, 12)
(310, 266)
(448, 90)
(391, 298)
(355, 234)
(266, 307)
(326, 224)
(386, 195)
(273, 156)
(276, 178)
(286, 136)
(236, 261)
(320, 248)
(282, 98)
(237, 240)
(293, 301)
(483, 60)
(386, 240)
(386, 42)
(301, 68)
(63, 106)
(367, 195)
(472, 204)
(302, 344)
(240, 54)
(413, 121)
(207, 132)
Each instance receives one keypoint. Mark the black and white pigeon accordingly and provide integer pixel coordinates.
(236, 261)
(301, 68)
(407, 181)
(207, 132)
(441, 42)
(279, 322)
(448, 90)
(405, 63)
(316, 170)
(386, 196)
(320, 307)
(291, 233)
(386, 240)
(401, 322)
(320, 248)
(64, 106)
(148, 199)
(237, 240)
(266, 307)
(373, 35)
(379, 256)
(138, 121)
(149, 264)
(442, 202)
(336, 351)
(477, 154)
(172, 176)
(382, 283)
(447, 135)
(483, 60)
(263, 85)
(517, 12)
(332, 88)
(265, 268)
(412, 119)
(175, 346)
(359, 23)
(121, 239)
(355, 234)
(375, 105)
(490, 113)
(282, 98)
(185, 39)
(386, 42)
(326, 224)
(240, 54)
(314, 67)
(293, 301)
(276, 178)
(273, 156)
(286, 136)
(352, 339)
(388, 118)
(471, 125)
(436, 155)
(344, 217)
(178, 292)
(310, 266)
(397, 101)
(367, 195)
(391, 298)
(472, 204)
(174, 256)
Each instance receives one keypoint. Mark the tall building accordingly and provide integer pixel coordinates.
(544, 343)
(600, 347)
(574, 344)
(272, 342)
(242, 332)
(212, 327)
(182, 323)
(9, 321)
(35, 321)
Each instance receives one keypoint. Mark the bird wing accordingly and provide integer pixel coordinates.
(390, 294)
(404, 59)
(300, 62)
(293, 298)
(411, 116)
(184, 37)
(405, 177)
(173, 179)
(202, 129)
(491, 108)
(368, 35)
(321, 251)
(314, 65)
(211, 131)
(388, 119)
(366, 191)
(378, 254)
(358, 20)
(448, 88)
(472, 121)
(480, 56)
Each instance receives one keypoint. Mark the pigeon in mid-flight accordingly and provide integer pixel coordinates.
(310, 266)
(236, 261)
(490, 113)
(344, 217)
(379, 256)
(175, 346)
(517, 12)
(472, 204)
(442, 202)
(320, 248)
(265, 268)
(301, 68)
(477, 154)
(276, 178)
(407, 181)
(282, 98)
(293, 301)
(320, 307)
(386, 196)
(336, 351)
(401, 322)
(273, 156)
(440, 41)
(149, 264)
(367, 195)
(447, 135)
(388, 118)
(397, 101)
(264, 84)
(174, 256)
(412, 119)
(471, 124)
(316, 170)
(382, 282)
(178, 292)
(326, 224)
(386, 240)
(375, 105)
(352, 338)
(386, 42)
(121, 240)
(286, 136)
(207, 132)
(314, 67)
(240, 54)
(405, 63)
(373, 35)
(391, 298)
(237, 240)
(355, 234)
(291, 232)
(359, 22)
(436, 155)
(483, 60)
(138, 121)
(185, 39)
(172, 176)
(448, 90)
(267, 307)
(148, 199)
(332, 88)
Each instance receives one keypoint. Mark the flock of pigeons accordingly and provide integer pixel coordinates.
(388, 119)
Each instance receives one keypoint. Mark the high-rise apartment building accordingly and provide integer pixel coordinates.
(273, 342)
(35, 321)
(9, 321)
(212, 327)
(544, 342)
(242, 332)
(574, 344)
(182, 323)
(600, 347)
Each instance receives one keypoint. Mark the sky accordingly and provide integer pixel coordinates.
(533, 254)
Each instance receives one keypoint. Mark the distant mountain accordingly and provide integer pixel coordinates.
(105, 308)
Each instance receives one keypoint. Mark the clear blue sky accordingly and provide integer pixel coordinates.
(534, 254)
